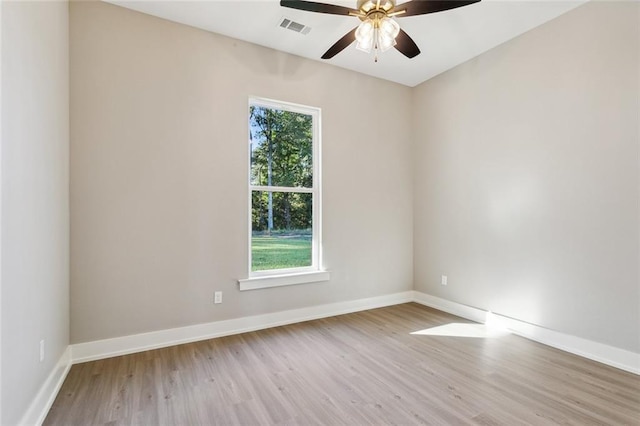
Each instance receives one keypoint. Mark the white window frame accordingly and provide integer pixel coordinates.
(290, 276)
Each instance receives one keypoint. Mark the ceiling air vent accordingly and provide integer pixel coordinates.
(294, 26)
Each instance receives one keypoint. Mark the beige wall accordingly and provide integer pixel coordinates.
(159, 166)
(526, 183)
(35, 198)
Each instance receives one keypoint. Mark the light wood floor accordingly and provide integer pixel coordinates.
(356, 369)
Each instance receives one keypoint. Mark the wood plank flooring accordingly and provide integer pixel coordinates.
(357, 369)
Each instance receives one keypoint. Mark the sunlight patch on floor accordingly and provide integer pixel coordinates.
(455, 329)
(492, 328)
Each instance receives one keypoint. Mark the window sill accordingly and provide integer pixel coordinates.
(255, 283)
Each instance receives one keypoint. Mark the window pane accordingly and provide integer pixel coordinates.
(281, 147)
(281, 234)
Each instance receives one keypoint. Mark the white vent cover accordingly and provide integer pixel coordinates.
(294, 26)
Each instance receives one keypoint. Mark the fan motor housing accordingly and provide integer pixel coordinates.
(367, 6)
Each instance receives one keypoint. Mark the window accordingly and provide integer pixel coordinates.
(284, 191)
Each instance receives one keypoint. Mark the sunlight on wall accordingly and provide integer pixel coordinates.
(523, 295)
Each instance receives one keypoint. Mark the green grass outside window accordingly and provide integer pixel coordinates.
(282, 251)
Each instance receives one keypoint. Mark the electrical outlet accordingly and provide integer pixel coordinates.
(443, 280)
(41, 350)
(217, 297)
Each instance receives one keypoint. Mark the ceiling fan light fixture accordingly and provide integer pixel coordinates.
(387, 32)
(365, 35)
(376, 33)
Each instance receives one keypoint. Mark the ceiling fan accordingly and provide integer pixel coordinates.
(378, 31)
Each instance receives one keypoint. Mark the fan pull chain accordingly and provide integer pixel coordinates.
(375, 43)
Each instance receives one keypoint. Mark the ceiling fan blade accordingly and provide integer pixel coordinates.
(422, 7)
(340, 45)
(311, 6)
(406, 45)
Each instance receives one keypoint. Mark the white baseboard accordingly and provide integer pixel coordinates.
(82, 352)
(464, 311)
(610, 355)
(43, 401)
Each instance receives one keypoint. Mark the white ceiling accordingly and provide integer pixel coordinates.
(446, 39)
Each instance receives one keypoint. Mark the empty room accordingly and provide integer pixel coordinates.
(263, 212)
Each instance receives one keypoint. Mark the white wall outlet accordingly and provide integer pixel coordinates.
(443, 280)
(217, 297)
(41, 350)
